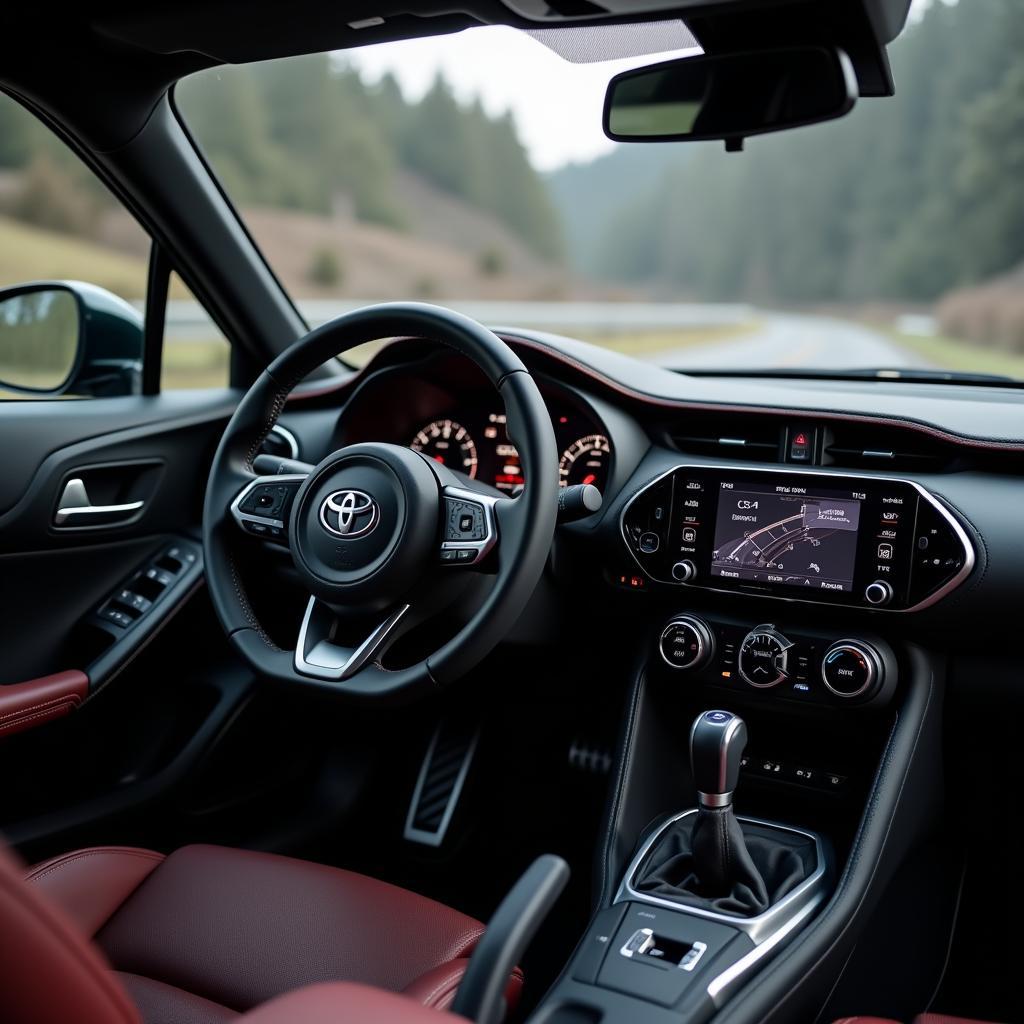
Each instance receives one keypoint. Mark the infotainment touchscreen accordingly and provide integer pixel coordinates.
(825, 537)
(780, 533)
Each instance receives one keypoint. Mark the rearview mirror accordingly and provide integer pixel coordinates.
(729, 96)
(69, 338)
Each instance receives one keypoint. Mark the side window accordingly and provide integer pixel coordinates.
(73, 272)
(67, 249)
(196, 354)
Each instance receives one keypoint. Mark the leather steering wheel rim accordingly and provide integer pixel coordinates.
(525, 525)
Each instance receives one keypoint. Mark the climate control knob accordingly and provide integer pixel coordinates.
(851, 668)
(686, 643)
(764, 657)
(878, 592)
(684, 571)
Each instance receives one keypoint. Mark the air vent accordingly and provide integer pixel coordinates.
(440, 782)
(746, 438)
(863, 446)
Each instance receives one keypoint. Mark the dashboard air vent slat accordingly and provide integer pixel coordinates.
(752, 439)
(864, 446)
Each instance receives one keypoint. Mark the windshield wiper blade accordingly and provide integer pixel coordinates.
(920, 376)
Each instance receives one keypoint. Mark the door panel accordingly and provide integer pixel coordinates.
(81, 749)
(55, 577)
(31, 431)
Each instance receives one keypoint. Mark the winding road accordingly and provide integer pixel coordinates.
(798, 341)
(778, 340)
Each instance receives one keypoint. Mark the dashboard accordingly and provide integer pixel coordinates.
(837, 499)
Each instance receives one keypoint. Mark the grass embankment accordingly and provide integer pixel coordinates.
(960, 356)
(646, 343)
(29, 253)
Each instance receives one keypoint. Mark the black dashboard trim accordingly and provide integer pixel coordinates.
(672, 403)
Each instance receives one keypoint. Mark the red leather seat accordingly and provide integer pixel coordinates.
(207, 933)
(921, 1018)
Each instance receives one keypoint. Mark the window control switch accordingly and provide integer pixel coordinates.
(134, 601)
(118, 616)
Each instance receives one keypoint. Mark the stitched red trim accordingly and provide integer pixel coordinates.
(49, 866)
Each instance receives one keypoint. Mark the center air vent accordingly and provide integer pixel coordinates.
(865, 446)
(746, 438)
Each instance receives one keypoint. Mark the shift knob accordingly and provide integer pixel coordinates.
(717, 741)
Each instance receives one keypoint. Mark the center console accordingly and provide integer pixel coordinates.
(764, 597)
(708, 894)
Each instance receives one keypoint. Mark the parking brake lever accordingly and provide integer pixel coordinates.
(481, 994)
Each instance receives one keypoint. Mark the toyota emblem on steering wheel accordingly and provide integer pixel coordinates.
(349, 514)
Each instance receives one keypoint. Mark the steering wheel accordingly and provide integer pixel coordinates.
(381, 536)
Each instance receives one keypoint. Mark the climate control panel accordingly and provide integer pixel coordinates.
(780, 663)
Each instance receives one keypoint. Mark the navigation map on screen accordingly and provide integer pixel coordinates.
(776, 534)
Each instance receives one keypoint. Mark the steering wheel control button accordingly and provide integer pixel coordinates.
(464, 520)
(684, 571)
(764, 657)
(262, 509)
(649, 542)
(270, 501)
(878, 593)
(686, 643)
(459, 556)
(850, 668)
(470, 530)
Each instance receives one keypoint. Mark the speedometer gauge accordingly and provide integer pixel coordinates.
(449, 443)
(585, 461)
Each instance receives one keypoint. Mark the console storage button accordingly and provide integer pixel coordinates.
(598, 941)
(657, 953)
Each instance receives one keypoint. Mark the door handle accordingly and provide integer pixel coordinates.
(74, 509)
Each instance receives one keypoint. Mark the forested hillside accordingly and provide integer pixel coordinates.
(905, 198)
(303, 133)
(306, 134)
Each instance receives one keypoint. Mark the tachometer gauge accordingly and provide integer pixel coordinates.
(449, 443)
(585, 461)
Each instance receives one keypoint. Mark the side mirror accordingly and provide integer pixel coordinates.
(69, 338)
(729, 96)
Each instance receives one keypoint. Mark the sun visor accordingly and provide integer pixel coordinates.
(588, 44)
(561, 11)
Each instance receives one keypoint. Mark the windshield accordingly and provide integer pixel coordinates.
(471, 170)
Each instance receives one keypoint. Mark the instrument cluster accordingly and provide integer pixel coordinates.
(476, 442)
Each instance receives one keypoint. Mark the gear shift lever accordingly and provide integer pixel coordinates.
(706, 859)
(720, 855)
(717, 741)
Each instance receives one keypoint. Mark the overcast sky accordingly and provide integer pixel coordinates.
(556, 104)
